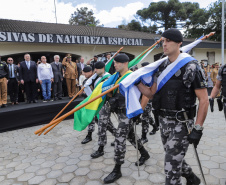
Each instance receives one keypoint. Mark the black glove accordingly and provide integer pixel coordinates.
(136, 119)
(194, 137)
(211, 100)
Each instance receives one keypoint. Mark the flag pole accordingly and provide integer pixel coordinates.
(75, 109)
(63, 109)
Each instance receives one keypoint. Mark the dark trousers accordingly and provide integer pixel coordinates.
(30, 89)
(57, 89)
(21, 93)
(13, 89)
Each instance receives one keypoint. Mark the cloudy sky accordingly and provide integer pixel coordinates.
(110, 13)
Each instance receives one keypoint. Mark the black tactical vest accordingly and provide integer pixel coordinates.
(223, 83)
(174, 95)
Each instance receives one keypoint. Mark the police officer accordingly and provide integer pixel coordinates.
(176, 98)
(4, 75)
(101, 76)
(125, 126)
(220, 82)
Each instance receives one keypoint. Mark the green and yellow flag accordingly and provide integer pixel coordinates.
(84, 116)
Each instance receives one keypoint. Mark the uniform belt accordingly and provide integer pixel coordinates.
(173, 114)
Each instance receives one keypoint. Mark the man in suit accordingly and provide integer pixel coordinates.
(28, 77)
(13, 87)
(80, 66)
(71, 75)
(58, 78)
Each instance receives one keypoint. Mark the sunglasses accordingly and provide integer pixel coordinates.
(10, 60)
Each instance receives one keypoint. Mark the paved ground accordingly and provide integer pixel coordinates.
(59, 158)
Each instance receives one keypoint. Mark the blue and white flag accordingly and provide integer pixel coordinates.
(145, 75)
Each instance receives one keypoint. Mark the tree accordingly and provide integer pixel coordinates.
(83, 16)
(134, 25)
(197, 24)
(167, 14)
(204, 21)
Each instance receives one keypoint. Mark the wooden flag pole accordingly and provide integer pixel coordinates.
(75, 109)
(64, 108)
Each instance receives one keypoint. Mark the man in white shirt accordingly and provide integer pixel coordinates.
(45, 77)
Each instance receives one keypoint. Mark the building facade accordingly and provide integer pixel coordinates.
(48, 39)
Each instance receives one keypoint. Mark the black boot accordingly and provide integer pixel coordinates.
(88, 138)
(144, 138)
(98, 153)
(154, 130)
(144, 156)
(220, 104)
(113, 143)
(114, 175)
(192, 179)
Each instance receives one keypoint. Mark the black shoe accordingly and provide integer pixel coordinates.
(28, 101)
(113, 143)
(35, 101)
(59, 98)
(114, 175)
(144, 156)
(55, 99)
(3, 106)
(192, 179)
(87, 139)
(144, 140)
(97, 154)
(153, 131)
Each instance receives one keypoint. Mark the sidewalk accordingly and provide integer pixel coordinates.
(60, 158)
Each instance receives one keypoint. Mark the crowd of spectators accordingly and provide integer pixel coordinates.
(31, 81)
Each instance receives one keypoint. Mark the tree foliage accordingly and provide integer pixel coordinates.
(167, 14)
(83, 16)
(204, 21)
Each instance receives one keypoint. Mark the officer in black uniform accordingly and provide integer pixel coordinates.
(175, 99)
(4, 75)
(221, 82)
